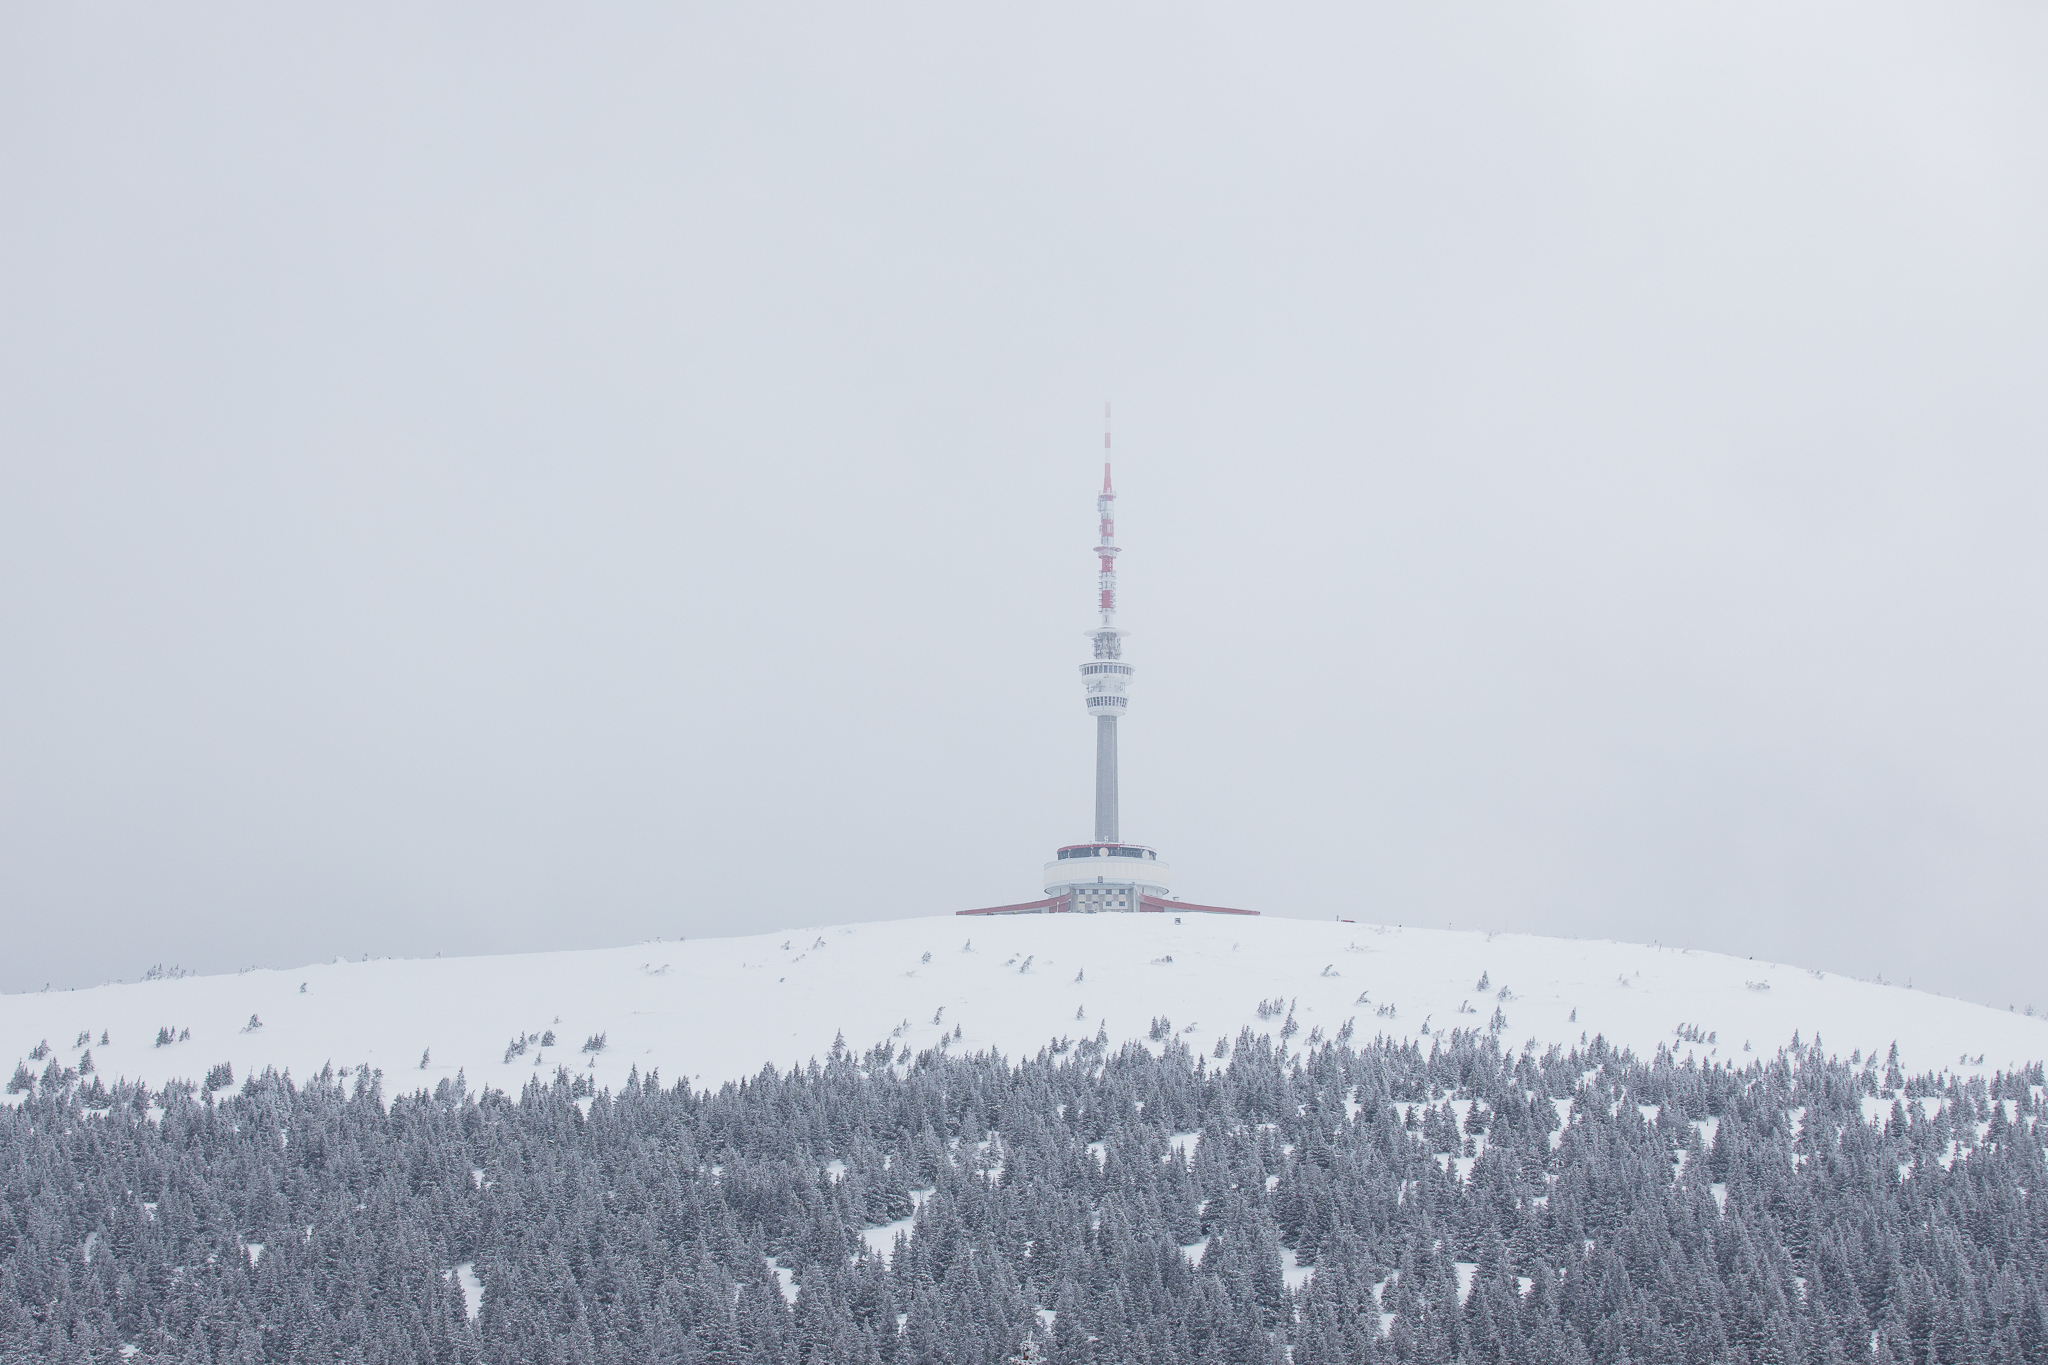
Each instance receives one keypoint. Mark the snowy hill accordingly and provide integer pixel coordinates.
(718, 1009)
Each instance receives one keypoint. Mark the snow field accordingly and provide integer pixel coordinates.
(716, 1010)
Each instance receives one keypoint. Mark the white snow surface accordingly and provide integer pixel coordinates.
(881, 1239)
(715, 1010)
(472, 1288)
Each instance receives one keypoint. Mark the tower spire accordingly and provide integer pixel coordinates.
(1106, 551)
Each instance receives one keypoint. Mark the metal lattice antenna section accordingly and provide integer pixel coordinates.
(1106, 549)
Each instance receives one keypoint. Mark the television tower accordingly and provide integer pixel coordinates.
(1105, 876)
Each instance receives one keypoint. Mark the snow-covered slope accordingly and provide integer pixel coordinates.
(717, 1009)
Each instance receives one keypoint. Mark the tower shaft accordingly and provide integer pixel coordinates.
(1105, 781)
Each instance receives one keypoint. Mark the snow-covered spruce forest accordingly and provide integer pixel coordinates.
(1272, 1198)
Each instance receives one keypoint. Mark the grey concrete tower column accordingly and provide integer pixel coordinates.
(1105, 780)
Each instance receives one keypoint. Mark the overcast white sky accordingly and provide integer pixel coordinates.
(488, 478)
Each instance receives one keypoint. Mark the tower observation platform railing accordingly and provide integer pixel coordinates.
(1071, 851)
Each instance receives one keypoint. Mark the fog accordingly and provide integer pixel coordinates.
(489, 479)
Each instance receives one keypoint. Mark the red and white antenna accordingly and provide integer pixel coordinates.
(1106, 550)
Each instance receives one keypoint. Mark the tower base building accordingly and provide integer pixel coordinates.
(1106, 879)
(1100, 877)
